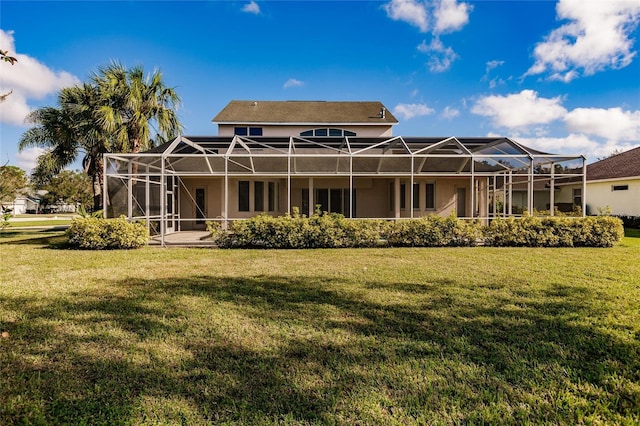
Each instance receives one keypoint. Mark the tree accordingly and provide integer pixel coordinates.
(13, 181)
(113, 112)
(67, 131)
(68, 187)
(133, 104)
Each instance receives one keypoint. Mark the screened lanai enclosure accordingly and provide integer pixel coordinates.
(185, 183)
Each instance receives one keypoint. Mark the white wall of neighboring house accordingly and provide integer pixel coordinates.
(612, 193)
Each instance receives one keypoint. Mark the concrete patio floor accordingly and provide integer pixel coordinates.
(184, 239)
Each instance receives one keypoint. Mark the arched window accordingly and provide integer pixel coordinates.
(327, 132)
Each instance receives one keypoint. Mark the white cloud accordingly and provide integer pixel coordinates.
(491, 65)
(28, 158)
(29, 79)
(451, 16)
(441, 16)
(576, 143)
(612, 123)
(441, 57)
(292, 82)
(252, 7)
(410, 11)
(519, 110)
(597, 37)
(409, 111)
(449, 113)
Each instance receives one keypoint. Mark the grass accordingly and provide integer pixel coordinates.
(363, 336)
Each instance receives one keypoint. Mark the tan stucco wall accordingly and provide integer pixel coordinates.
(213, 199)
(372, 196)
(273, 130)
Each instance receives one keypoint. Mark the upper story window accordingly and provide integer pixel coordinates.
(247, 131)
(620, 187)
(327, 132)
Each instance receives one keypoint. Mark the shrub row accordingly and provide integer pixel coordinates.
(92, 233)
(332, 231)
(593, 231)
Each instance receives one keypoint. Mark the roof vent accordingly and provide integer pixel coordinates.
(255, 103)
(383, 112)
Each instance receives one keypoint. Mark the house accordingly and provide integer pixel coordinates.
(281, 157)
(612, 185)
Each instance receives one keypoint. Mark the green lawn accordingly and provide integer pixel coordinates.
(355, 336)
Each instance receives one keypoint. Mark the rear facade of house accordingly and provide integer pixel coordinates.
(287, 157)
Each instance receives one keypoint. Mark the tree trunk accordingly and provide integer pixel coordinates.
(97, 187)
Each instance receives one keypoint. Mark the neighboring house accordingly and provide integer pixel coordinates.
(613, 185)
(23, 204)
(282, 157)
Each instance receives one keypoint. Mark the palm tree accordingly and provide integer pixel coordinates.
(68, 131)
(132, 104)
(112, 113)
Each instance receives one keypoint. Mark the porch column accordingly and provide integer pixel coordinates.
(225, 213)
(510, 194)
(396, 201)
(530, 188)
(584, 187)
(472, 189)
(350, 187)
(552, 189)
(147, 197)
(104, 188)
(312, 200)
(163, 197)
(129, 191)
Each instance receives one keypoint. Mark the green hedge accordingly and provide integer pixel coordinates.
(92, 233)
(333, 231)
(593, 231)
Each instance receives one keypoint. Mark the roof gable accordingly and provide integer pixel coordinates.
(307, 112)
(626, 164)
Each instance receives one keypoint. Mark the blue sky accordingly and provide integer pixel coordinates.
(561, 76)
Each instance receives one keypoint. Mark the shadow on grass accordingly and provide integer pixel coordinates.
(274, 349)
(53, 238)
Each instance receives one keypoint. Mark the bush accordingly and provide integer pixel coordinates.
(599, 231)
(433, 231)
(334, 231)
(91, 233)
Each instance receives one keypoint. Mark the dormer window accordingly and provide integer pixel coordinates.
(250, 131)
(322, 132)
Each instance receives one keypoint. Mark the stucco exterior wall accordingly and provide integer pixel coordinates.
(622, 202)
(289, 130)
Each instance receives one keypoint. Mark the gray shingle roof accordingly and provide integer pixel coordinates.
(626, 164)
(307, 112)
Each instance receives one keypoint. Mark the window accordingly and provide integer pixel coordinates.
(431, 196)
(620, 187)
(577, 196)
(244, 131)
(416, 196)
(243, 196)
(403, 204)
(327, 132)
(334, 200)
(272, 196)
(258, 196)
